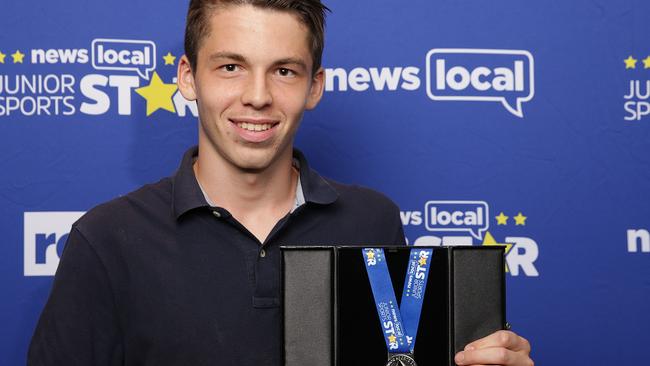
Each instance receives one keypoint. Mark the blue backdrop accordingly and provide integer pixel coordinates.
(501, 122)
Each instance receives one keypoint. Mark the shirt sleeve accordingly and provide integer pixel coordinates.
(79, 324)
(398, 237)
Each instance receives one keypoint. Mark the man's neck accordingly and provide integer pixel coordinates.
(258, 200)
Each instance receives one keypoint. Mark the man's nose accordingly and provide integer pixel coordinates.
(257, 93)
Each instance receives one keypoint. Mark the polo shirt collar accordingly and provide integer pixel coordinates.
(187, 194)
(314, 187)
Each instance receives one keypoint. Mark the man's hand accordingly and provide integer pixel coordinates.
(499, 348)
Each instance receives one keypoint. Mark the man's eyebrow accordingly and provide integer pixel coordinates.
(227, 55)
(291, 60)
(239, 58)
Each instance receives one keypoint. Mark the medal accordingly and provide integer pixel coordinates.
(399, 324)
(401, 360)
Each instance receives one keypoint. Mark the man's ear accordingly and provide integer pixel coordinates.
(185, 79)
(316, 90)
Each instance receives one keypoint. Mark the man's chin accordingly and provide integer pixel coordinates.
(253, 169)
(255, 165)
(256, 161)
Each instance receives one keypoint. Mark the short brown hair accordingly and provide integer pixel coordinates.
(310, 12)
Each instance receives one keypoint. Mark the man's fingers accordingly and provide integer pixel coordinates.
(492, 356)
(524, 345)
(501, 338)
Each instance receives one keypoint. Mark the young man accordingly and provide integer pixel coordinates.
(186, 271)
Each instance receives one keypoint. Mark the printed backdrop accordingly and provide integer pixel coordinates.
(523, 123)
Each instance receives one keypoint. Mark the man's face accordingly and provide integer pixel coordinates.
(252, 82)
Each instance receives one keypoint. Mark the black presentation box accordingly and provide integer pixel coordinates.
(330, 317)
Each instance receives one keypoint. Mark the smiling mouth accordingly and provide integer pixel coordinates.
(254, 127)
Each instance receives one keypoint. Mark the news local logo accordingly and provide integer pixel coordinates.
(452, 74)
(45, 235)
(482, 75)
(464, 216)
(124, 55)
(120, 70)
(467, 222)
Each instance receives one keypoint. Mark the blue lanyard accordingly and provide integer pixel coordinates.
(398, 323)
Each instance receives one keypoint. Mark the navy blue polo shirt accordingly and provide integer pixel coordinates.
(160, 277)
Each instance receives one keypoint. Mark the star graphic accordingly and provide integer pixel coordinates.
(2, 57)
(371, 254)
(169, 58)
(520, 219)
(422, 261)
(646, 63)
(502, 219)
(392, 338)
(630, 62)
(158, 95)
(18, 57)
(489, 240)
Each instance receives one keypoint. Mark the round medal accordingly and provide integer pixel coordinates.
(401, 360)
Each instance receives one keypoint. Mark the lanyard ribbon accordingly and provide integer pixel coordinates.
(398, 323)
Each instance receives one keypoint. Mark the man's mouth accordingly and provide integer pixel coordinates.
(255, 130)
(254, 127)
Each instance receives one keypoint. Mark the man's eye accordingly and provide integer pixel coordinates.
(286, 72)
(229, 67)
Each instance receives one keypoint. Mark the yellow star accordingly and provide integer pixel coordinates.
(2, 57)
(371, 254)
(646, 63)
(169, 58)
(422, 261)
(392, 338)
(158, 95)
(502, 219)
(630, 62)
(520, 219)
(18, 57)
(489, 240)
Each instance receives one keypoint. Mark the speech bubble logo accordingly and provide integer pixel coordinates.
(124, 55)
(465, 216)
(484, 75)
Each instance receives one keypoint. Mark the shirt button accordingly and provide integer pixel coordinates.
(216, 214)
(262, 253)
